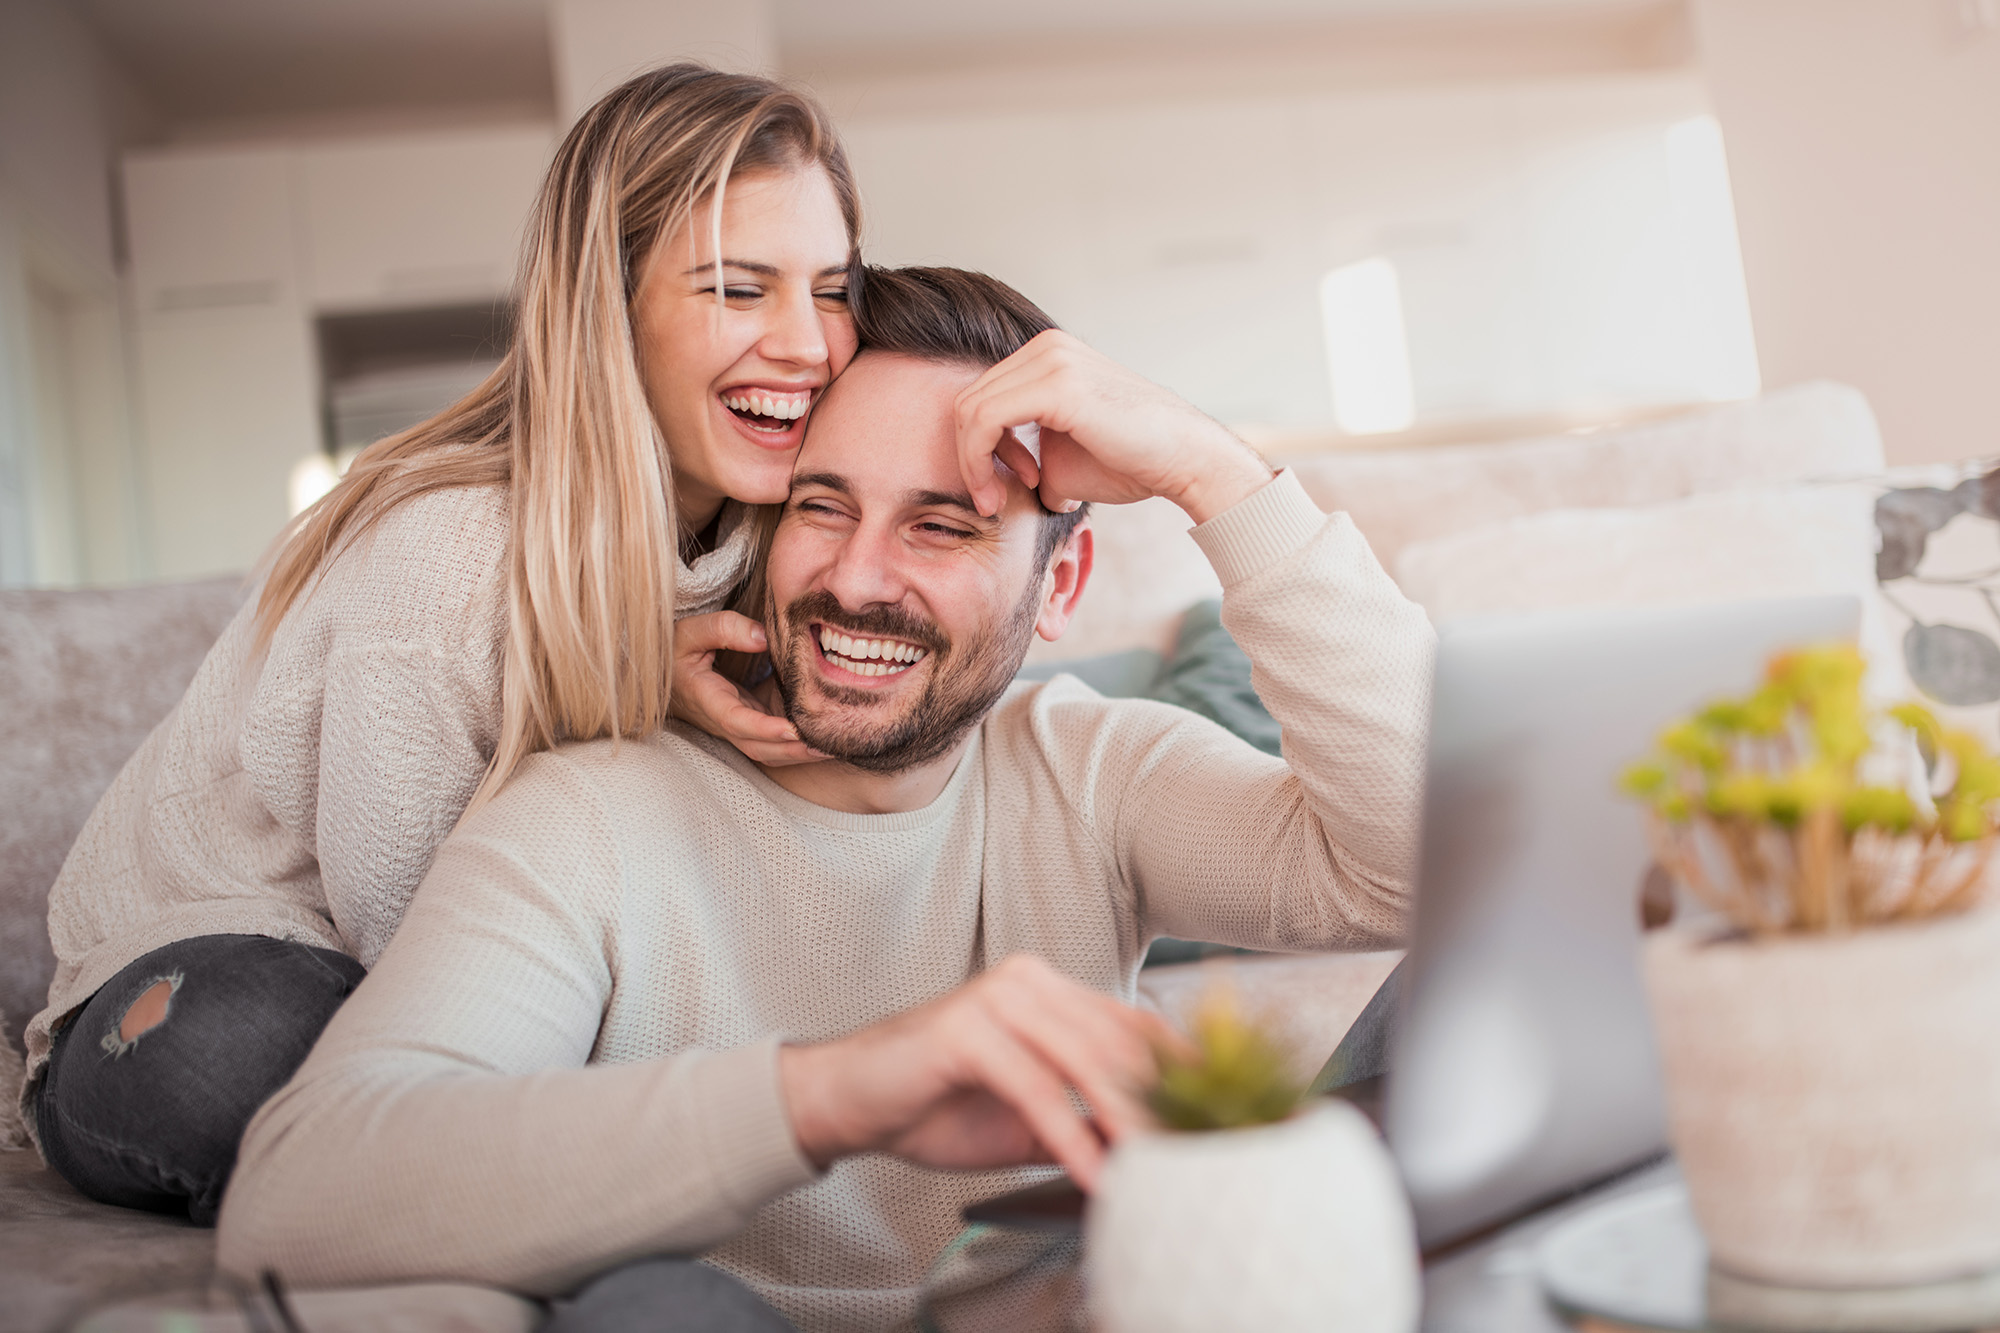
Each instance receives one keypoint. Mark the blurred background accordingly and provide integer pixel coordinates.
(239, 239)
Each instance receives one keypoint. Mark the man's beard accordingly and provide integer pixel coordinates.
(965, 682)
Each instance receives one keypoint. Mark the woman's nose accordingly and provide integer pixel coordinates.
(797, 334)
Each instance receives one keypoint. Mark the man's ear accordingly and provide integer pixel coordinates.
(1063, 584)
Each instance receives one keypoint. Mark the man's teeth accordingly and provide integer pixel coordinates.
(780, 406)
(869, 657)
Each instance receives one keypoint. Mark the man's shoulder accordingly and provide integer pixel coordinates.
(1062, 726)
(612, 786)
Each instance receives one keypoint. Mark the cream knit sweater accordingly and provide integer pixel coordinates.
(303, 794)
(567, 1056)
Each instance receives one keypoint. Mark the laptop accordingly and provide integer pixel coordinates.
(1522, 1065)
(1511, 1051)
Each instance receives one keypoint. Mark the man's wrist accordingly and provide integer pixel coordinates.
(1232, 476)
(803, 1079)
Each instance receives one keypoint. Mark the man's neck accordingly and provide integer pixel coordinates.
(854, 791)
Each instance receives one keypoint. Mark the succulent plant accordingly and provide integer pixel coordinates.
(1237, 1074)
(1760, 806)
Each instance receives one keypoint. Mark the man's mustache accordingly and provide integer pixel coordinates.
(883, 622)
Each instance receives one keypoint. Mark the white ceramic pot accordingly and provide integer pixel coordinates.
(1280, 1229)
(1834, 1100)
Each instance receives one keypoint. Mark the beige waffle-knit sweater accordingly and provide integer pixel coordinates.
(567, 1056)
(302, 795)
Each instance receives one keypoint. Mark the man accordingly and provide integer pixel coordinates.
(655, 999)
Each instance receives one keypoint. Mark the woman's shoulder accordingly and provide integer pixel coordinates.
(433, 566)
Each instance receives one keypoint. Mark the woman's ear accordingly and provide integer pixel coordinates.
(1063, 584)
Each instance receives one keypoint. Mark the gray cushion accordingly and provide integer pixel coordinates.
(84, 677)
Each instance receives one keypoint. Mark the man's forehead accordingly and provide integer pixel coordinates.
(888, 422)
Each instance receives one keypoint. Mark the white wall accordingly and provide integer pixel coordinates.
(1533, 224)
(1864, 140)
(235, 250)
(68, 484)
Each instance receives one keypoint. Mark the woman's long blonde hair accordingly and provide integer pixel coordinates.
(593, 544)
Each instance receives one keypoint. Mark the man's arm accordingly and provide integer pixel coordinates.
(1217, 841)
(1221, 842)
(444, 1126)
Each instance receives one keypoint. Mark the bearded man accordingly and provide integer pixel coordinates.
(657, 1002)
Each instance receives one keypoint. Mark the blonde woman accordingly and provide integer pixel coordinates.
(502, 577)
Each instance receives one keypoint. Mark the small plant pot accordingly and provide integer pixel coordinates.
(1293, 1226)
(1834, 1099)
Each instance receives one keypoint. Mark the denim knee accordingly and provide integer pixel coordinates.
(665, 1295)
(151, 1116)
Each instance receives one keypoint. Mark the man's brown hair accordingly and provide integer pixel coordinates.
(955, 315)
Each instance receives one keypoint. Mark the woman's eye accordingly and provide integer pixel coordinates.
(837, 295)
(741, 293)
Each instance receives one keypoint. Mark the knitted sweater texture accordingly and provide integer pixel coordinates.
(302, 794)
(566, 1058)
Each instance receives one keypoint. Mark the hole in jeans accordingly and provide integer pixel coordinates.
(143, 1014)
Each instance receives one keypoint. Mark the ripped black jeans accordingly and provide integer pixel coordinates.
(153, 1122)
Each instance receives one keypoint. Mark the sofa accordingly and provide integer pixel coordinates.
(84, 675)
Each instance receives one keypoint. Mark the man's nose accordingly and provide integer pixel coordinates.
(864, 571)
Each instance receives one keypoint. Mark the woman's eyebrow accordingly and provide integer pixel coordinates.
(747, 265)
(763, 270)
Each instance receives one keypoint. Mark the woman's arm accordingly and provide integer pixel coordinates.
(446, 1126)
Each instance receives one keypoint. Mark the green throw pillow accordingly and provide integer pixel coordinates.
(1210, 675)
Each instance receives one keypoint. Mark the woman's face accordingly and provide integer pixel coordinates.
(730, 382)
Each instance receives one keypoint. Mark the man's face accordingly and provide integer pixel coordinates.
(898, 614)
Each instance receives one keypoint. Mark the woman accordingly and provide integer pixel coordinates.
(494, 580)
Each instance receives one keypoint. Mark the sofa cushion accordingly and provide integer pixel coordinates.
(1764, 541)
(84, 677)
(1149, 572)
(62, 1255)
(1396, 497)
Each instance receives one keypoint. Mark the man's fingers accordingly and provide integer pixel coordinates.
(1016, 456)
(1101, 1048)
(1020, 1078)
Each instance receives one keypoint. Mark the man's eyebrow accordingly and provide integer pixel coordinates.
(913, 499)
(943, 499)
(830, 481)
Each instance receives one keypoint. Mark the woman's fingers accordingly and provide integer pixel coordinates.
(719, 631)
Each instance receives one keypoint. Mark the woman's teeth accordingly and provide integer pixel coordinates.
(869, 657)
(778, 407)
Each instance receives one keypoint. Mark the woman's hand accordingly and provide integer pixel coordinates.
(1106, 435)
(716, 704)
(980, 1078)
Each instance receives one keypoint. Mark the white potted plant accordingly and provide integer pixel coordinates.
(1829, 1032)
(1255, 1208)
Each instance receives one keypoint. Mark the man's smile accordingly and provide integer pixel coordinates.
(866, 656)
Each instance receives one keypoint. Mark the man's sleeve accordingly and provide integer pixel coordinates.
(445, 1127)
(1217, 841)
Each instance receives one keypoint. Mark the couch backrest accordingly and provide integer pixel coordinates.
(84, 677)
(1147, 573)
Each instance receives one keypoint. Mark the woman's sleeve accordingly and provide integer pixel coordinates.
(447, 1127)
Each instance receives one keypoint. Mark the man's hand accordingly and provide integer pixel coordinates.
(979, 1078)
(703, 696)
(1106, 435)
